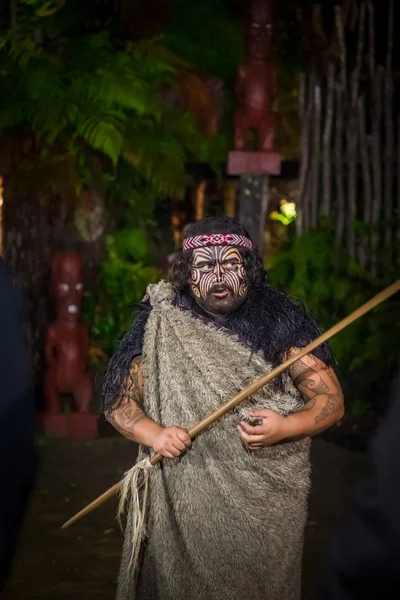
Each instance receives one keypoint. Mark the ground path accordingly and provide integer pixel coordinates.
(82, 562)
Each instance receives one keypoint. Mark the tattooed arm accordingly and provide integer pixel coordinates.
(129, 419)
(324, 406)
(323, 396)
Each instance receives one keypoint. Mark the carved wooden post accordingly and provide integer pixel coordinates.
(255, 90)
(66, 353)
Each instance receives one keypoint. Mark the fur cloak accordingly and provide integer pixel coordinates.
(222, 523)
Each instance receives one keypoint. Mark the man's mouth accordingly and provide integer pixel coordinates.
(220, 294)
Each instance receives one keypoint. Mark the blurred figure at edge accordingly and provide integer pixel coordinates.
(364, 558)
(18, 460)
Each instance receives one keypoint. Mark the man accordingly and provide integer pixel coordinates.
(226, 517)
(365, 554)
(17, 448)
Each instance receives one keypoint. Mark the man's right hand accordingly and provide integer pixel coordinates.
(171, 442)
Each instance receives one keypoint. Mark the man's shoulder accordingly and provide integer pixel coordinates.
(141, 314)
(292, 307)
(293, 324)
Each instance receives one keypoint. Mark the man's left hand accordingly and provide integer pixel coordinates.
(271, 431)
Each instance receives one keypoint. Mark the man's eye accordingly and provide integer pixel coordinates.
(231, 264)
(207, 267)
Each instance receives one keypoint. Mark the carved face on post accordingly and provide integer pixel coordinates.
(261, 23)
(218, 279)
(67, 285)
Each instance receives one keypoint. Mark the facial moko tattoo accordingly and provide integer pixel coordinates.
(218, 279)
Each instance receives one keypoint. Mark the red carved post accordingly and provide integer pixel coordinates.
(255, 90)
(66, 351)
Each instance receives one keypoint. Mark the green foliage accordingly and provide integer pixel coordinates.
(86, 95)
(359, 408)
(332, 286)
(44, 8)
(208, 35)
(122, 282)
(131, 244)
(286, 214)
(286, 109)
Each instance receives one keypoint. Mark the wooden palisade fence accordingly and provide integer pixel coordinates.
(350, 146)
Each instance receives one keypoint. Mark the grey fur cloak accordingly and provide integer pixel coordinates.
(222, 523)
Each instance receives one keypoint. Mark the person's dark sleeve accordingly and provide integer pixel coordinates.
(18, 459)
(15, 376)
(364, 558)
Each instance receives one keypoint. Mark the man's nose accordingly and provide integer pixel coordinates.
(218, 272)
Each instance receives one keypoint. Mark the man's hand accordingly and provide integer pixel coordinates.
(171, 441)
(272, 430)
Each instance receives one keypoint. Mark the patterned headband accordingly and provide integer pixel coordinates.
(217, 239)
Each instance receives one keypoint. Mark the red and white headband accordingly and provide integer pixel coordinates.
(217, 239)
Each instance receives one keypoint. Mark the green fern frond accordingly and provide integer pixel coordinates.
(105, 136)
(84, 95)
(23, 50)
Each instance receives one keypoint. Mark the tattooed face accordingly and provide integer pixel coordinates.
(218, 279)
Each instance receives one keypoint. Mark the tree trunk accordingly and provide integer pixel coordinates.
(367, 184)
(315, 159)
(376, 165)
(397, 213)
(304, 118)
(327, 143)
(340, 199)
(389, 137)
(341, 104)
(351, 134)
(307, 107)
(253, 206)
(28, 249)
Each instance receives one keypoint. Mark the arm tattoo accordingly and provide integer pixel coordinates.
(310, 380)
(333, 403)
(313, 379)
(128, 414)
(134, 390)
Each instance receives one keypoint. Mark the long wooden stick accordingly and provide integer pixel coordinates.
(250, 390)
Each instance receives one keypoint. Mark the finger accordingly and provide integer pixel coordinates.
(184, 438)
(255, 447)
(175, 451)
(252, 429)
(250, 439)
(167, 454)
(263, 413)
(178, 445)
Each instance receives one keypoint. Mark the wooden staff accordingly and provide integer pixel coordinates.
(250, 390)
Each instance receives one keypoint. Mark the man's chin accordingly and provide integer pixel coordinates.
(219, 306)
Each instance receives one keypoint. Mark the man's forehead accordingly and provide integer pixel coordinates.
(215, 253)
